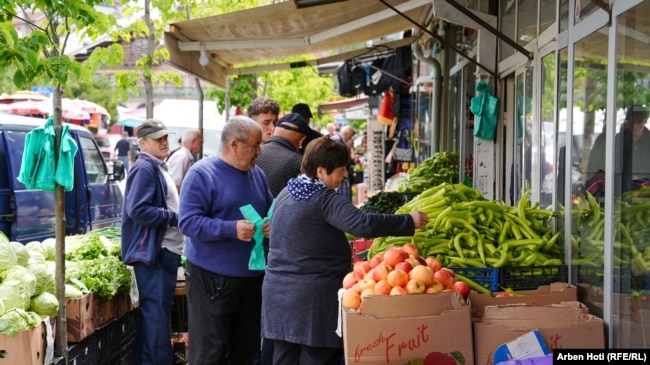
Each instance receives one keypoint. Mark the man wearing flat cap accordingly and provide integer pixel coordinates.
(152, 243)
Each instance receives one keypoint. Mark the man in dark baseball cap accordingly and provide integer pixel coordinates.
(152, 128)
(305, 112)
(280, 159)
(302, 109)
(294, 122)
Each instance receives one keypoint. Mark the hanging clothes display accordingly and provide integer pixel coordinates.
(485, 107)
(39, 170)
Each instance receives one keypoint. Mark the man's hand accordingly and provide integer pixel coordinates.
(266, 229)
(245, 230)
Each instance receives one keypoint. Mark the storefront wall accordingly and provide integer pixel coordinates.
(554, 138)
(585, 72)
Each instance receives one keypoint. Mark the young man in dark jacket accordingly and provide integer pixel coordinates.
(152, 243)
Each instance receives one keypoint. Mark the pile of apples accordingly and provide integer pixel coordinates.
(399, 270)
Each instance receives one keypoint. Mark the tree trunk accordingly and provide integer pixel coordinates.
(146, 77)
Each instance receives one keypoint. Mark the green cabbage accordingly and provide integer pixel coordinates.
(13, 295)
(45, 304)
(7, 255)
(71, 292)
(23, 275)
(36, 251)
(49, 246)
(45, 281)
(18, 320)
(22, 256)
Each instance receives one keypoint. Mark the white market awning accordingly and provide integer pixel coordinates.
(256, 40)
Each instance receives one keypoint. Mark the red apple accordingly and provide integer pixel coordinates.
(368, 275)
(449, 271)
(411, 250)
(394, 255)
(423, 274)
(443, 277)
(415, 287)
(436, 287)
(380, 272)
(360, 269)
(349, 280)
(376, 260)
(438, 358)
(397, 278)
(434, 263)
(351, 299)
(413, 261)
(382, 288)
(365, 284)
(462, 287)
(397, 290)
(404, 266)
(366, 292)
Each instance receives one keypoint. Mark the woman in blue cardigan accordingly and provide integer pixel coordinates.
(309, 255)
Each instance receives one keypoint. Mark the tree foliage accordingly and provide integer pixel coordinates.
(41, 53)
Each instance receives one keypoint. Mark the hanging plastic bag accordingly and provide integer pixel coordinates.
(386, 115)
(38, 169)
(257, 260)
(485, 107)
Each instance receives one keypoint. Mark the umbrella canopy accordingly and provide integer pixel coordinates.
(67, 112)
(27, 107)
(129, 121)
(84, 105)
(22, 95)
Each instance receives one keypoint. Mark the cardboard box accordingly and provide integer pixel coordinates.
(122, 304)
(545, 294)
(564, 325)
(27, 347)
(530, 344)
(396, 329)
(103, 311)
(79, 317)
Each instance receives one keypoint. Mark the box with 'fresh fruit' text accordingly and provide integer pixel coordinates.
(409, 329)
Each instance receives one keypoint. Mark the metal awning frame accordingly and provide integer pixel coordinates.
(441, 40)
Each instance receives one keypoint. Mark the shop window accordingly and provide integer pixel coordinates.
(526, 21)
(507, 18)
(547, 14)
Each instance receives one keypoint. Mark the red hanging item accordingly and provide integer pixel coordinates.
(386, 115)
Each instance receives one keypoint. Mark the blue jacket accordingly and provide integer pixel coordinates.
(145, 216)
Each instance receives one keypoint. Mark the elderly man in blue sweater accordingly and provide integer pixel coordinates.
(224, 295)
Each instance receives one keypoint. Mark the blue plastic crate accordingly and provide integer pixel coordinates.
(531, 277)
(488, 277)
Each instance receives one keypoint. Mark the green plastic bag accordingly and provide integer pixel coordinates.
(257, 260)
(485, 107)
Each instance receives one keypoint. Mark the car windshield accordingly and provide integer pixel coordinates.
(103, 142)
